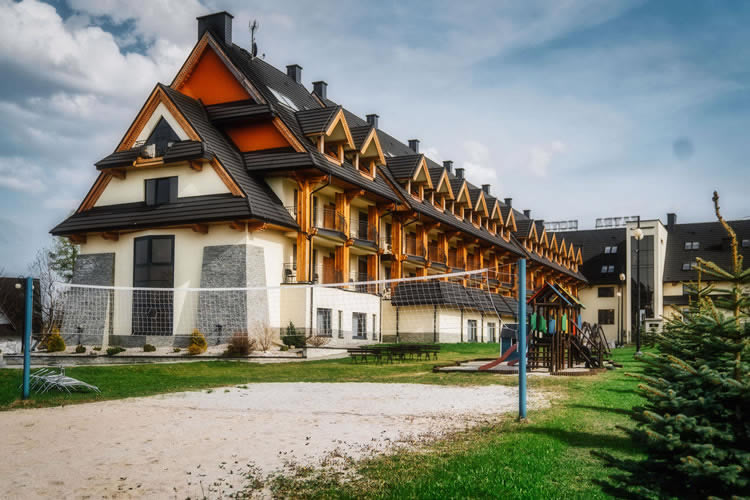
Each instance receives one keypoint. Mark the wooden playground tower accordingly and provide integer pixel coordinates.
(557, 339)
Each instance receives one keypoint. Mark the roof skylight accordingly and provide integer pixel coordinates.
(284, 99)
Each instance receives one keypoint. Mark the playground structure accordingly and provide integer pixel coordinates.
(557, 341)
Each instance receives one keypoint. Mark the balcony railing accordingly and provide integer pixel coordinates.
(332, 220)
(363, 232)
(289, 272)
(354, 277)
(385, 243)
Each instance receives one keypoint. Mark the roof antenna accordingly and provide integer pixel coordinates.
(253, 27)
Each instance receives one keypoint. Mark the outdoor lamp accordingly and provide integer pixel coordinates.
(622, 277)
(638, 233)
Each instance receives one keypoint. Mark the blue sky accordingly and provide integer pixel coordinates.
(575, 109)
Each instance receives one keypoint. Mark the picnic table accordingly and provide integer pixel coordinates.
(400, 352)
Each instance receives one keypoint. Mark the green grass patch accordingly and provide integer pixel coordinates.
(125, 381)
(548, 456)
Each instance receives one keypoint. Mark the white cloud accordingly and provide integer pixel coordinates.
(479, 168)
(81, 58)
(17, 174)
(542, 155)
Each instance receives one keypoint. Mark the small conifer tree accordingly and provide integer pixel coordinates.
(696, 422)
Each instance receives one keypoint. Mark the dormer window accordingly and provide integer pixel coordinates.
(688, 266)
(692, 245)
(610, 250)
(745, 243)
(161, 191)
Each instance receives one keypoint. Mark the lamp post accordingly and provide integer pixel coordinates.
(620, 295)
(638, 235)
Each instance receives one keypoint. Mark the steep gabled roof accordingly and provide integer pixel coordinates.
(591, 244)
(404, 167)
(316, 121)
(263, 202)
(713, 246)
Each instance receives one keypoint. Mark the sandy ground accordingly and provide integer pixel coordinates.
(193, 444)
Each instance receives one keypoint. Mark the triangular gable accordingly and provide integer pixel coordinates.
(209, 75)
(338, 130)
(543, 240)
(511, 222)
(421, 174)
(481, 204)
(579, 257)
(463, 195)
(532, 232)
(371, 147)
(150, 114)
(571, 251)
(553, 243)
(563, 249)
(496, 214)
(444, 185)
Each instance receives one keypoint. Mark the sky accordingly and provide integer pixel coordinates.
(575, 109)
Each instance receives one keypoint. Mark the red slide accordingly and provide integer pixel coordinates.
(499, 360)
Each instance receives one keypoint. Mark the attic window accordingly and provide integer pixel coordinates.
(161, 191)
(688, 266)
(284, 99)
(608, 250)
(745, 243)
(692, 245)
(608, 269)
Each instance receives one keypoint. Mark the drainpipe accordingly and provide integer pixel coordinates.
(310, 237)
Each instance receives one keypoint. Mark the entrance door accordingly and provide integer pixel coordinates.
(153, 267)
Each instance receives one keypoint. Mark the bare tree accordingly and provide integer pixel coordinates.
(48, 300)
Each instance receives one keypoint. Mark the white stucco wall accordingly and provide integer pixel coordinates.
(188, 261)
(189, 183)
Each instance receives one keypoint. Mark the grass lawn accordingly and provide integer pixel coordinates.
(125, 381)
(548, 456)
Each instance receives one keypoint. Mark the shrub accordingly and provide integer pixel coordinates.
(284, 348)
(55, 343)
(194, 350)
(97, 348)
(114, 350)
(80, 349)
(148, 348)
(263, 335)
(292, 337)
(198, 344)
(176, 349)
(240, 344)
(317, 340)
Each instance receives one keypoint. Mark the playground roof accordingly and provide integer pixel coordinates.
(552, 290)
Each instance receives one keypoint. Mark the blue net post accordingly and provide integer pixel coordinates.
(27, 337)
(522, 338)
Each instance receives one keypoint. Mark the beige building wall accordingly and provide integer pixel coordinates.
(188, 261)
(589, 296)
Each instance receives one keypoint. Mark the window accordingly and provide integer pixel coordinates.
(161, 191)
(284, 99)
(692, 245)
(374, 327)
(153, 267)
(606, 291)
(688, 266)
(745, 243)
(610, 249)
(471, 330)
(324, 322)
(608, 269)
(606, 316)
(491, 331)
(359, 325)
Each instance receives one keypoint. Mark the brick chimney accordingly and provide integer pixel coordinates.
(448, 165)
(414, 145)
(373, 120)
(509, 202)
(460, 173)
(486, 188)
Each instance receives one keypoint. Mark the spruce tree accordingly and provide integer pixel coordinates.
(695, 425)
